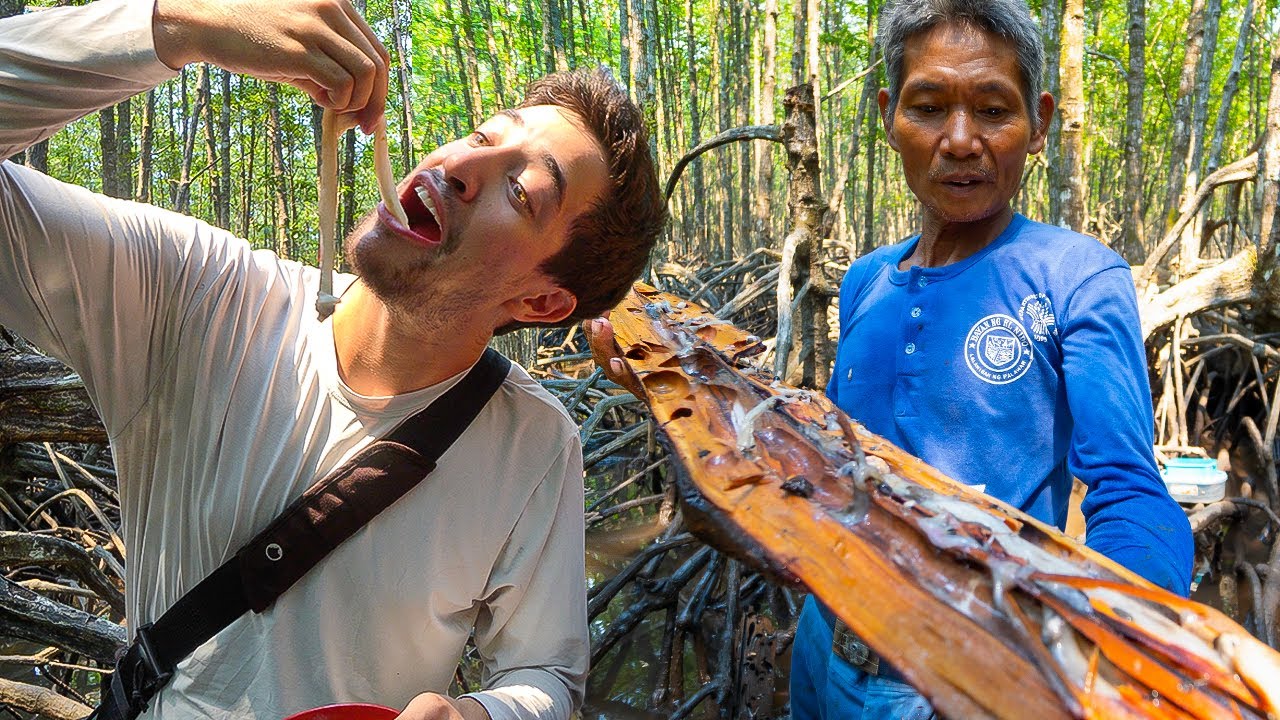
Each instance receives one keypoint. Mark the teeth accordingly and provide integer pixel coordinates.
(425, 197)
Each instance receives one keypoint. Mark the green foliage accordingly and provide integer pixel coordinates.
(706, 57)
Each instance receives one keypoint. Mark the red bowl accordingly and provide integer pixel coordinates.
(347, 711)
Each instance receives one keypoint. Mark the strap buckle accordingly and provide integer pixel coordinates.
(852, 649)
(146, 675)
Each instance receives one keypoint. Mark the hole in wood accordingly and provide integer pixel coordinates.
(665, 383)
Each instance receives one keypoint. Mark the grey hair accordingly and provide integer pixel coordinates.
(1008, 19)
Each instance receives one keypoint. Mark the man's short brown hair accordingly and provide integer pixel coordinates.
(610, 243)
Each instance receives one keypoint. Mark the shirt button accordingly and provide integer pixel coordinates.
(850, 375)
(911, 347)
(915, 312)
(922, 281)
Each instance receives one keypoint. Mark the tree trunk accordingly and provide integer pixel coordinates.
(1071, 188)
(42, 400)
(1193, 236)
(347, 184)
(1204, 85)
(38, 156)
(1181, 116)
(404, 71)
(1268, 190)
(470, 88)
(469, 53)
(108, 150)
(1135, 84)
(124, 149)
(624, 42)
(182, 202)
(762, 205)
(275, 135)
(808, 208)
(698, 207)
(212, 162)
(497, 68)
(1051, 17)
(224, 151)
(41, 702)
(1229, 89)
(553, 36)
(723, 109)
(142, 192)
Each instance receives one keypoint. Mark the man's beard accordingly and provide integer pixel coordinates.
(397, 272)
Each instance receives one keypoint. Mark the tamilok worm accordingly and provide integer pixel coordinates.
(331, 126)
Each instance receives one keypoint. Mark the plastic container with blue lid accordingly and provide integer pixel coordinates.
(1194, 480)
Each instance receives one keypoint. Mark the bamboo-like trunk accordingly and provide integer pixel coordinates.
(988, 612)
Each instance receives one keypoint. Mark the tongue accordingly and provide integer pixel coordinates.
(425, 225)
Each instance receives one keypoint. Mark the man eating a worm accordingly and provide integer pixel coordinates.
(225, 396)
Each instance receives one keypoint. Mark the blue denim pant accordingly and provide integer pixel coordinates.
(826, 687)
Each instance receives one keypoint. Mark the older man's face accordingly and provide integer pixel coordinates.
(961, 124)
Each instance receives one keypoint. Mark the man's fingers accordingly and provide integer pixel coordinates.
(363, 27)
(607, 354)
(363, 60)
(362, 53)
(371, 114)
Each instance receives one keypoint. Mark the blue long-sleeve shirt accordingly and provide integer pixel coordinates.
(1015, 369)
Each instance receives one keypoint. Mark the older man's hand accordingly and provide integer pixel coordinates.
(607, 354)
(434, 706)
(323, 47)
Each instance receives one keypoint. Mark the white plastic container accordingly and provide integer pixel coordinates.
(1194, 480)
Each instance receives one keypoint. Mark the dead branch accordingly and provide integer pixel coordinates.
(747, 132)
(1227, 283)
(45, 550)
(40, 701)
(28, 616)
(43, 400)
(1238, 171)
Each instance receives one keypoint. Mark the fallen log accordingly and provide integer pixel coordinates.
(42, 400)
(986, 611)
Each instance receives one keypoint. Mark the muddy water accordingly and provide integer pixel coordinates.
(621, 687)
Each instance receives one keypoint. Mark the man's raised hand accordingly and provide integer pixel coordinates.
(323, 47)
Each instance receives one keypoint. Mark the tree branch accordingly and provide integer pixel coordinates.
(747, 132)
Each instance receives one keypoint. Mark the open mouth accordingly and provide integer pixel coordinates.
(423, 208)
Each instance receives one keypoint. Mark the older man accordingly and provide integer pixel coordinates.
(1005, 352)
(225, 397)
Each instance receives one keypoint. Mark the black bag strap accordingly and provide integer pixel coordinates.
(329, 512)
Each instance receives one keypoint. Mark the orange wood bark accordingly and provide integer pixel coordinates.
(986, 611)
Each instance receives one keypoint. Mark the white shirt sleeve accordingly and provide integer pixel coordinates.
(61, 64)
(102, 284)
(532, 636)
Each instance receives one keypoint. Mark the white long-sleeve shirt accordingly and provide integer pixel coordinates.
(220, 392)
